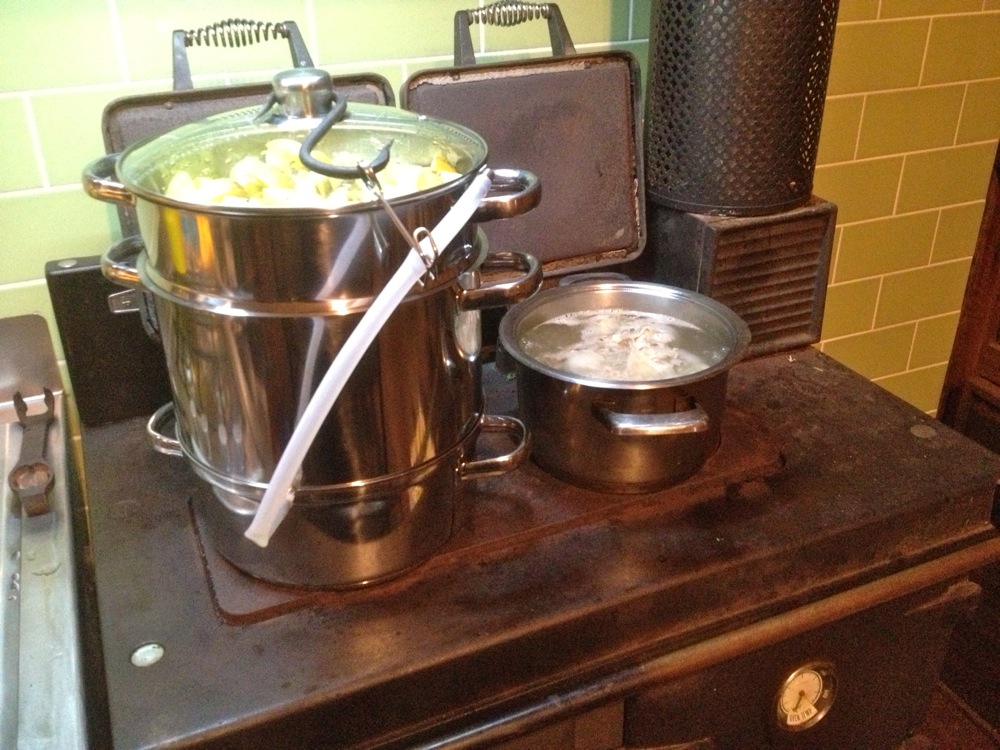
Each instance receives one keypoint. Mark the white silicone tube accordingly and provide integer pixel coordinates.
(280, 492)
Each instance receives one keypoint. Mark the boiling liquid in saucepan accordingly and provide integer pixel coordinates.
(618, 344)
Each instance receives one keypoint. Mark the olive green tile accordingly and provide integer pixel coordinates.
(933, 340)
(862, 190)
(898, 121)
(885, 245)
(857, 10)
(945, 177)
(981, 112)
(353, 30)
(838, 138)
(28, 299)
(920, 388)
(641, 12)
(18, 166)
(147, 28)
(963, 48)
(906, 8)
(70, 143)
(877, 56)
(957, 232)
(49, 43)
(922, 293)
(590, 22)
(44, 226)
(850, 308)
(876, 353)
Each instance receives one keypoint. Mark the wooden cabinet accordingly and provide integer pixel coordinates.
(970, 402)
(970, 399)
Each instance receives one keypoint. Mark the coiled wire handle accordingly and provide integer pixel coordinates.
(510, 13)
(234, 32)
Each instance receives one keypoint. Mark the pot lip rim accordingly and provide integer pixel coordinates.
(738, 328)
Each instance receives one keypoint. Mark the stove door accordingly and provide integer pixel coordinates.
(865, 680)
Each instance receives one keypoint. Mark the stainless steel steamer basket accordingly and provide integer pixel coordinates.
(411, 409)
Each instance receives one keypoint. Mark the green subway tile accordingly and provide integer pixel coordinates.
(588, 21)
(922, 293)
(352, 30)
(907, 8)
(862, 190)
(981, 112)
(963, 48)
(28, 299)
(70, 143)
(18, 168)
(920, 388)
(892, 244)
(48, 43)
(839, 137)
(933, 340)
(877, 56)
(850, 308)
(641, 11)
(147, 28)
(876, 353)
(47, 226)
(898, 121)
(957, 232)
(857, 10)
(945, 177)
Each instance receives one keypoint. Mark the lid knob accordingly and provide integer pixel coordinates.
(303, 92)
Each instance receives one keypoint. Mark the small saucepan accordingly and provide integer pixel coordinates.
(622, 383)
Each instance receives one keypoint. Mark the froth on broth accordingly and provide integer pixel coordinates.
(619, 344)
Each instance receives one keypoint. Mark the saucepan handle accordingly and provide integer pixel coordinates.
(675, 423)
(100, 180)
(514, 192)
(527, 281)
(497, 465)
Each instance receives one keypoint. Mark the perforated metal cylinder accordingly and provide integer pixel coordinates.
(734, 103)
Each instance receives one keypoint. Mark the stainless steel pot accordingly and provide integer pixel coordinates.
(253, 303)
(616, 435)
(267, 259)
(394, 450)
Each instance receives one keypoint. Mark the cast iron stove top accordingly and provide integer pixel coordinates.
(549, 599)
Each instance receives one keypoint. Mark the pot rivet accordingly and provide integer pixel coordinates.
(923, 431)
(147, 655)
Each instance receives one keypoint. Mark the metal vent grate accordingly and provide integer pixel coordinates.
(771, 271)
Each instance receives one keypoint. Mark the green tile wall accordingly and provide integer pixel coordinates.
(911, 124)
(911, 128)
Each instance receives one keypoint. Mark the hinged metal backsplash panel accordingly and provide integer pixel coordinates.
(574, 122)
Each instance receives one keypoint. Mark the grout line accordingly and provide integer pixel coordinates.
(36, 142)
(927, 46)
(118, 38)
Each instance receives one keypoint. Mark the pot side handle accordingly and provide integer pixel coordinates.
(156, 430)
(676, 423)
(497, 465)
(514, 192)
(100, 180)
(118, 264)
(527, 282)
